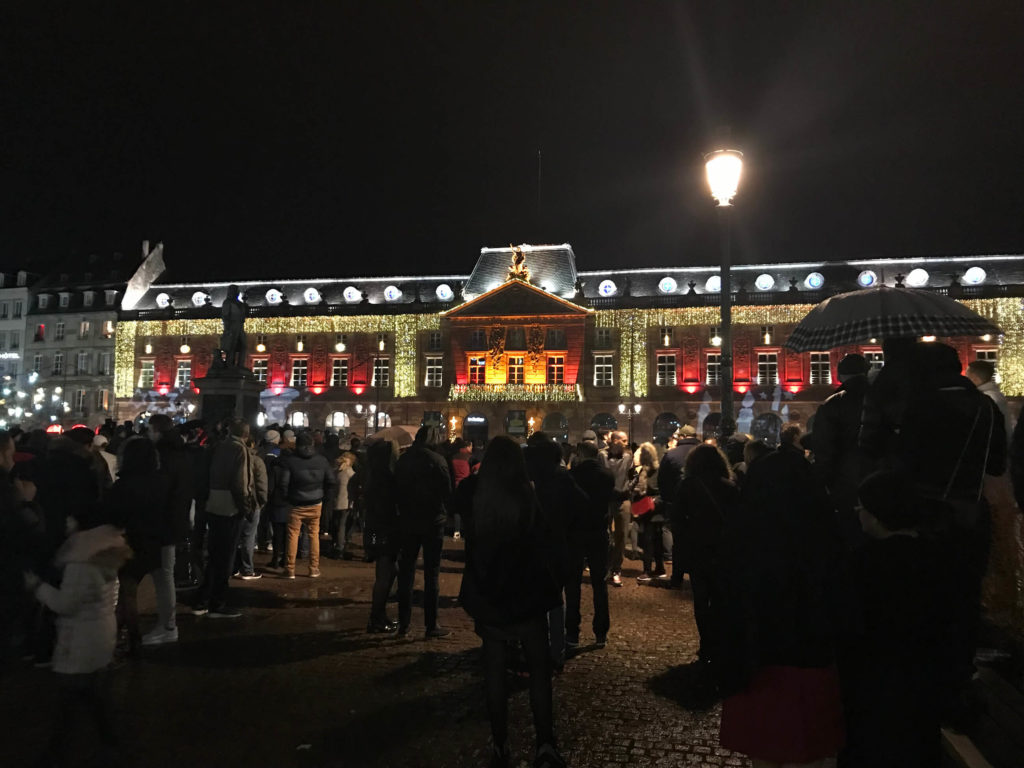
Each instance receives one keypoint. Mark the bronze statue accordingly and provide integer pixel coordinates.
(518, 270)
(232, 341)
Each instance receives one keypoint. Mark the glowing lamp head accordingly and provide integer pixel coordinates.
(163, 300)
(358, 389)
(163, 389)
(261, 347)
(149, 349)
(636, 407)
(724, 168)
(713, 284)
(764, 282)
(622, 407)
(185, 349)
(444, 292)
(742, 388)
(339, 347)
(199, 299)
(317, 389)
(918, 278)
(277, 389)
(794, 388)
(667, 285)
(974, 276)
(716, 341)
(691, 389)
(867, 279)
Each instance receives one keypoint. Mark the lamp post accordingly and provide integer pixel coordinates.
(629, 411)
(723, 168)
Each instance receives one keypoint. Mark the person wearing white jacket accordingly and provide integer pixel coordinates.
(86, 626)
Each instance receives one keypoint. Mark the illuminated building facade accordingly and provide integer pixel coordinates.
(526, 342)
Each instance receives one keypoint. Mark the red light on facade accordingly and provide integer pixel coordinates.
(742, 388)
(794, 388)
(278, 388)
(163, 389)
(359, 389)
(317, 389)
(54, 429)
(77, 426)
(691, 388)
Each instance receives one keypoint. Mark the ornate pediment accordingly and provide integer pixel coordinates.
(516, 298)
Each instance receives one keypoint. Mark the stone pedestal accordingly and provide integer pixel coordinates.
(229, 393)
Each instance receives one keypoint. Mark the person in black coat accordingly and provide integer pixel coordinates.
(307, 481)
(424, 490)
(670, 473)
(508, 587)
(588, 543)
(380, 538)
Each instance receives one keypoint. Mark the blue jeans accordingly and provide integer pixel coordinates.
(409, 549)
(247, 544)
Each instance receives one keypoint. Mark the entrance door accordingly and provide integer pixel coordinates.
(474, 429)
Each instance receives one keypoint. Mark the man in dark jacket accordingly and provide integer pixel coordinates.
(670, 472)
(307, 480)
(424, 489)
(588, 541)
(177, 469)
(838, 459)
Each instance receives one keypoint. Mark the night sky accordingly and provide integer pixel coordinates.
(339, 138)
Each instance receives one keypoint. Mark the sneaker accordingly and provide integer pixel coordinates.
(223, 613)
(662, 577)
(456, 536)
(438, 632)
(314, 573)
(251, 576)
(616, 580)
(644, 578)
(601, 641)
(287, 575)
(161, 635)
(200, 609)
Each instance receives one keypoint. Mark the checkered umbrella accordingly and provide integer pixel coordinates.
(879, 313)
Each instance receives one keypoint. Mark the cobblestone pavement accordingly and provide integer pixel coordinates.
(297, 682)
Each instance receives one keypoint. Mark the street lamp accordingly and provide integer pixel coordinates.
(724, 168)
(629, 411)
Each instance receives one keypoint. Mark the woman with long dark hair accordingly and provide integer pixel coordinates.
(507, 588)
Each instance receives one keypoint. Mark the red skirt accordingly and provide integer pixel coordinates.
(786, 715)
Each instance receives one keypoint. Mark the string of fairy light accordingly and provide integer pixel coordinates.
(632, 326)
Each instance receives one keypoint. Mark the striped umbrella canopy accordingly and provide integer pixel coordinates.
(880, 313)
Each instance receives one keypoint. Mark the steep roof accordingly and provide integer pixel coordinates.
(516, 298)
(552, 267)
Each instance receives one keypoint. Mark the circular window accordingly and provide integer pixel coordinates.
(867, 278)
(607, 288)
(444, 292)
(814, 281)
(668, 285)
(199, 299)
(311, 295)
(764, 282)
(274, 297)
(352, 294)
(392, 293)
(163, 300)
(918, 278)
(714, 284)
(975, 276)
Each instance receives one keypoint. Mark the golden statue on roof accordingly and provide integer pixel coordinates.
(518, 270)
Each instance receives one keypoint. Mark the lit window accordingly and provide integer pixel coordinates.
(298, 419)
(183, 378)
(821, 368)
(767, 368)
(300, 367)
(433, 377)
(103, 400)
(713, 371)
(259, 369)
(603, 371)
(767, 334)
(147, 374)
(603, 339)
(108, 329)
(665, 337)
(515, 370)
(556, 369)
(339, 372)
(381, 372)
(41, 332)
(477, 367)
(83, 329)
(666, 370)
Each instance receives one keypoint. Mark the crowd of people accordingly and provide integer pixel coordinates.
(835, 578)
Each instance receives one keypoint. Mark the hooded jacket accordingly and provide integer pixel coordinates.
(307, 477)
(85, 601)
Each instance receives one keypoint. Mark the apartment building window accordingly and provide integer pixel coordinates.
(875, 359)
(434, 341)
(556, 369)
(82, 364)
(65, 300)
(381, 372)
(15, 339)
(339, 372)
(183, 377)
(58, 363)
(4, 307)
(87, 298)
(44, 301)
(515, 370)
(3, 339)
(105, 368)
(478, 339)
(83, 329)
(111, 297)
(477, 367)
(433, 377)
(666, 370)
(259, 369)
(300, 369)
(103, 400)
(603, 371)
(18, 308)
(821, 368)
(58, 333)
(37, 362)
(108, 329)
(555, 339)
(767, 368)
(147, 374)
(713, 370)
(79, 400)
(666, 336)
(40, 332)
(603, 338)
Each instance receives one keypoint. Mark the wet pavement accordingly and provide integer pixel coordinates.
(297, 681)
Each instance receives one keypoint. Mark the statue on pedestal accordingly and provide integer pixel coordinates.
(232, 341)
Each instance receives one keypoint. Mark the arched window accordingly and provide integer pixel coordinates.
(298, 419)
(557, 426)
(378, 420)
(665, 426)
(710, 427)
(338, 420)
(604, 421)
(767, 427)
